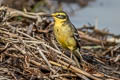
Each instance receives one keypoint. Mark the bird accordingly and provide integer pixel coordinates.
(65, 33)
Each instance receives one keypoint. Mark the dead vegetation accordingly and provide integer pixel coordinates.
(29, 51)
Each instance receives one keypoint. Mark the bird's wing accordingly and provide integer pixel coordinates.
(76, 35)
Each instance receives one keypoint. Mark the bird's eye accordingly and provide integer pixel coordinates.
(61, 16)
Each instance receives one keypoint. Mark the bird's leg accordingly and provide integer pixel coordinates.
(76, 61)
(81, 58)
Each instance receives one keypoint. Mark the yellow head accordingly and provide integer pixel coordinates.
(60, 16)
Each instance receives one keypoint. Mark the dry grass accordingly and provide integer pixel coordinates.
(29, 51)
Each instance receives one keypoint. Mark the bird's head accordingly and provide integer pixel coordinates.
(60, 16)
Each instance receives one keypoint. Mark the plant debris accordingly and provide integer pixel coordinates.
(29, 51)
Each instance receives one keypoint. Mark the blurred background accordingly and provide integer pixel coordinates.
(105, 14)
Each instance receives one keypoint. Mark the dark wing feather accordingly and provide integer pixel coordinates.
(76, 35)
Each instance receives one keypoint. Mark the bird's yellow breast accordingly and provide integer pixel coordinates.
(64, 35)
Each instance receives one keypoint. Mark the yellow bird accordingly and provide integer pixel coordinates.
(65, 32)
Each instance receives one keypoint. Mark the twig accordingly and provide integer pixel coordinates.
(82, 76)
(88, 38)
(74, 69)
(117, 58)
(13, 13)
(46, 60)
